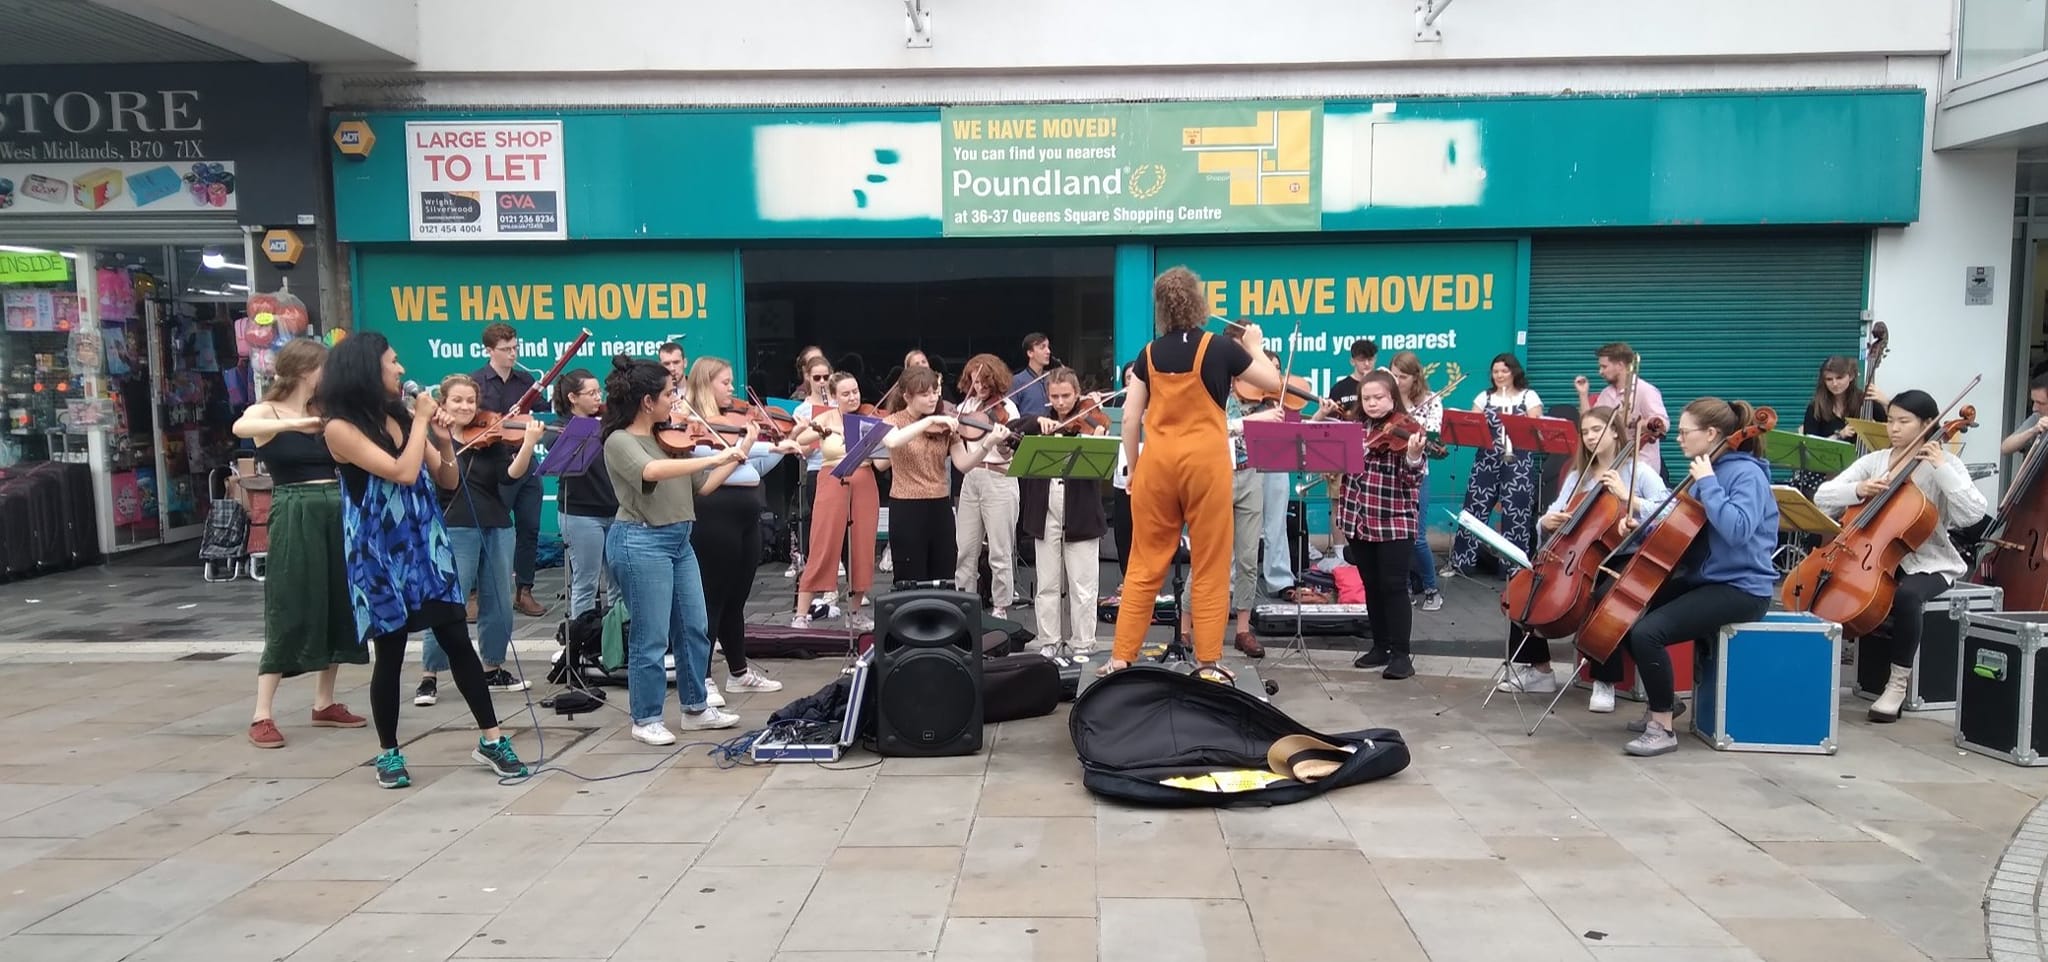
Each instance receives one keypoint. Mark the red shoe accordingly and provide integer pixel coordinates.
(264, 734)
(336, 716)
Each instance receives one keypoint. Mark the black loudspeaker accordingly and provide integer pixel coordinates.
(927, 673)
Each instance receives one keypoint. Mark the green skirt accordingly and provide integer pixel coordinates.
(307, 622)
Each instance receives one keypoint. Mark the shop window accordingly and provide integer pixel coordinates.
(868, 306)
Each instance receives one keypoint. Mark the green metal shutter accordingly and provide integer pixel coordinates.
(1739, 317)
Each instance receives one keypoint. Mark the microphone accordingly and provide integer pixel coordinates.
(408, 391)
(1053, 360)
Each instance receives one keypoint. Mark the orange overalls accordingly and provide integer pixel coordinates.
(1181, 478)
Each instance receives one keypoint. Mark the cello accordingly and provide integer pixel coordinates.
(1554, 596)
(1660, 549)
(2016, 543)
(1852, 580)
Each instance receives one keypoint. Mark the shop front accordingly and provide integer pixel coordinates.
(1726, 236)
(130, 202)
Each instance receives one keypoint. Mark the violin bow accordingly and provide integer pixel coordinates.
(532, 394)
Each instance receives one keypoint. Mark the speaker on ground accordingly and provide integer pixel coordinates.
(928, 673)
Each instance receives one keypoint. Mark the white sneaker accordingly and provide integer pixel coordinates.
(711, 695)
(800, 621)
(793, 570)
(1602, 701)
(999, 612)
(860, 621)
(750, 680)
(1527, 679)
(653, 734)
(708, 719)
(887, 563)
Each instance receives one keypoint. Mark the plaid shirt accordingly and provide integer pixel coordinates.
(1379, 503)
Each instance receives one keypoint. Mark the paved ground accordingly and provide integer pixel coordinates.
(141, 600)
(136, 823)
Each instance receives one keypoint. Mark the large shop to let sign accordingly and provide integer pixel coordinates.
(184, 138)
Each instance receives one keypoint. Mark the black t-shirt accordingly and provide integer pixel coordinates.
(1174, 353)
(1345, 392)
(1824, 423)
(483, 471)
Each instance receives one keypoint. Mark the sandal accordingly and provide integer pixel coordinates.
(1215, 673)
(1111, 667)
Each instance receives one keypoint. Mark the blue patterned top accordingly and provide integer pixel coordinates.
(401, 567)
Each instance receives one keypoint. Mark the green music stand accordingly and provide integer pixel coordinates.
(1803, 452)
(1066, 458)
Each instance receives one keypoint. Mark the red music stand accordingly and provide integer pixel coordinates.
(1465, 429)
(1308, 447)
(1546, 435)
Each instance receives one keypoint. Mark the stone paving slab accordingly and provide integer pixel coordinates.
(137, 824)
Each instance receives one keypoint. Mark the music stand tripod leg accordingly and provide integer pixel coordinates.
(1177, 649)
(1298, 645)
(1564, 685)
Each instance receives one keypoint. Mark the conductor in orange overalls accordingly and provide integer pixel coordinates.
(1181, 477)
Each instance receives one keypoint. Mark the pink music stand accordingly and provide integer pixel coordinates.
(1465, 429)
(1310, 447)
(1547, 435)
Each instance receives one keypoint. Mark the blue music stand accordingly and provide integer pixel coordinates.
(863, 436)
(577, 447)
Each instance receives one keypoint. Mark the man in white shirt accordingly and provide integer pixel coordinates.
(1648, 410)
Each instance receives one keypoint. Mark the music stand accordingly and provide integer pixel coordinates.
(572, 452)
(1869, 433)
(1805, 452)
(1512, 554)
(1306, 447)
(1064, 458)
(1541, 435)
(1465, 429)
(1799, 515)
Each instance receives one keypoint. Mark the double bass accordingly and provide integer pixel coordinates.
(1853, 579)
(1658, 554)
(491, 427)
(1554, 596)
(2016, 543)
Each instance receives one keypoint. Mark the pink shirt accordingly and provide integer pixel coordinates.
(1649, 406)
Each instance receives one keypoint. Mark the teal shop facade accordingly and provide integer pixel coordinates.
(1726, 235)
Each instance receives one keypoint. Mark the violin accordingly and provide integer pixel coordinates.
(1295, 395)
(491, 427)
(1392, 438)
(1854, 579)
(679, 440)
(1659, 550)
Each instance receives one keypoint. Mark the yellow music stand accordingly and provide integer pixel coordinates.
(1871, 433)
(1797, 514)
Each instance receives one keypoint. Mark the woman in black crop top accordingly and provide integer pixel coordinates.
(307, 623)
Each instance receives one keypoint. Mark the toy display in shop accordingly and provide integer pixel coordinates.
(275, 318)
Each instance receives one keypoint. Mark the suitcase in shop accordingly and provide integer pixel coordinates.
(79, 506)
(47, 539)
(17, 537)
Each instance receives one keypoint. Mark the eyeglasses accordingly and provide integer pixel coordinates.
(1682, 429)
(821, 377)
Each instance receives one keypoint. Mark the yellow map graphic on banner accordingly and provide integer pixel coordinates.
(1269, 162)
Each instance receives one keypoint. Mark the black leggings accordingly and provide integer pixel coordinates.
(463, 664)
(1914, 592)
(1679, 614)
(1383, 566)
(1120, 524)
(727, 539)
(921, 538)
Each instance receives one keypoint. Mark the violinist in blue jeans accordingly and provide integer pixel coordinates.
(649, 552)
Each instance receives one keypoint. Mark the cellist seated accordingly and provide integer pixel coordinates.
(1933, 566)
